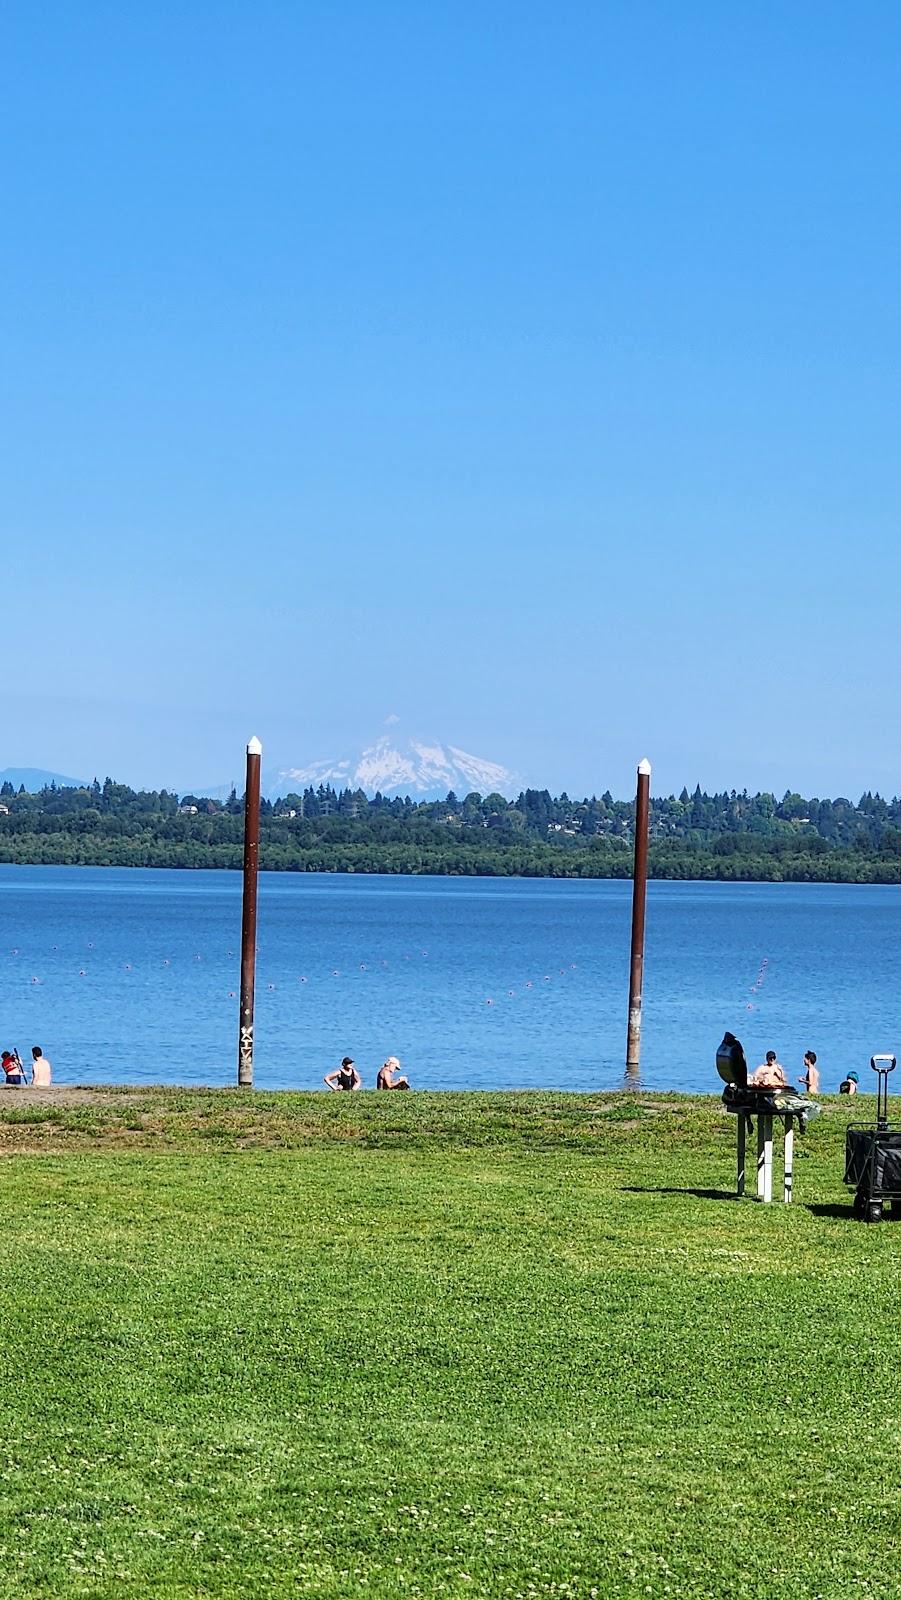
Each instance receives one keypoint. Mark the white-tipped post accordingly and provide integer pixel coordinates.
(249, 913)
(639, 892)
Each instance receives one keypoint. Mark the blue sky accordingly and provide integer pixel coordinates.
(530, 372)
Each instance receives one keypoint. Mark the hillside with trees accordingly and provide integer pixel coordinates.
(730, 836)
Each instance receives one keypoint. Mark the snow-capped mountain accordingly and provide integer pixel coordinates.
(420, 768)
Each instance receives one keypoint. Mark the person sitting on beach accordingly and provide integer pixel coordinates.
(12, 1068)
(849, 1084)
(41, 1072)
(344, 1077)
(811, 1078)
(770, 1074)
(387, 1079)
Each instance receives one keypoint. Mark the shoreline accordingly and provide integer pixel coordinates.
(890, 878)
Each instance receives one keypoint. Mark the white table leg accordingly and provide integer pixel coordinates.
(789, 1158)
(768, 1160)
(740, 1131)
(761, 1142)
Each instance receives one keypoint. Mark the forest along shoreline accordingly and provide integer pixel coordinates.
(727, 837)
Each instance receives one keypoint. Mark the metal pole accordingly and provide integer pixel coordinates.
(249, 913)
(639, 896)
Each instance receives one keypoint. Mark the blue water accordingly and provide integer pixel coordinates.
(131, 976)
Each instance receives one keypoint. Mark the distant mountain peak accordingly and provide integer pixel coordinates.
(425, 769)
(35, 779)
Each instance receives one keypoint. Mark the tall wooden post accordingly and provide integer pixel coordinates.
(249, 913)
(639, 897)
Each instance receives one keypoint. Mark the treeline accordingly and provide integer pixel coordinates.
(730, 836)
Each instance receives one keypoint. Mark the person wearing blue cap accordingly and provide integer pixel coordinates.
(849, 1084)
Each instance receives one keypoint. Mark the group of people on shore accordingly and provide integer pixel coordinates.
(14, 1070)
(346, 1076)
(771, 1074)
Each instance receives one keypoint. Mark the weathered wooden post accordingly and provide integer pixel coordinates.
(639, 897)
(249, 913)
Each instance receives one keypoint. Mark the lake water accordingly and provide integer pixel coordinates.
(131, 976)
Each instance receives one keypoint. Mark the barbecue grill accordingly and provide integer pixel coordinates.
(747, 1101)
(873, 1154)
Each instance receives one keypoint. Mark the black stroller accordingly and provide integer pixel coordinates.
(873, 1155)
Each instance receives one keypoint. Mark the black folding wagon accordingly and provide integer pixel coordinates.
(873, 1154)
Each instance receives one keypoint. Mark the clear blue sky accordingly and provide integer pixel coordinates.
(530, 371)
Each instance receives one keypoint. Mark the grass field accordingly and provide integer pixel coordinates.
(481, 1345)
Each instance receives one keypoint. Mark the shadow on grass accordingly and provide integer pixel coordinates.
(699, 1194)
(832, 1210)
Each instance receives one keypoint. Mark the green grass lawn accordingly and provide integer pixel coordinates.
(481, 1345)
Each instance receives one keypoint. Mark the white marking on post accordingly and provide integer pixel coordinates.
(740, 1140)
(789, 1158)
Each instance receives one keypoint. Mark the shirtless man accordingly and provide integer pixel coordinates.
(41, 1071)
(770, 1074)
(811, 1078)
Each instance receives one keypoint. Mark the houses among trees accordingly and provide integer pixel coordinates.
(727, 835)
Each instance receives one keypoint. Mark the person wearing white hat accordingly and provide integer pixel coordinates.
(387, 1077)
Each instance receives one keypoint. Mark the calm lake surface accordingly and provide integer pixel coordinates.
(132, 976)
